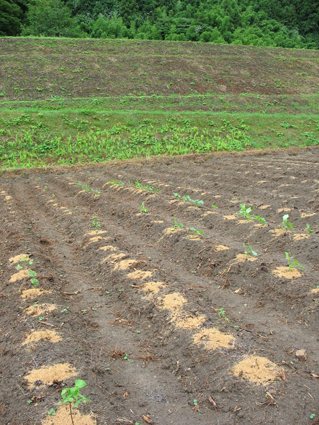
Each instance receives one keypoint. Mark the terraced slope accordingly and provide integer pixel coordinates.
(166, 324)
(74, 101)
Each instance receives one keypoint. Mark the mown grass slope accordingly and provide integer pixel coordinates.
(76, 100)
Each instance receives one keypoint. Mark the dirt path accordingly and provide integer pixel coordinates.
(161, 323)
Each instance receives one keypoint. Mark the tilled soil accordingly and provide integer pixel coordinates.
(165, 326)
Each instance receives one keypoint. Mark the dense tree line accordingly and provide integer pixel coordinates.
(283, 23)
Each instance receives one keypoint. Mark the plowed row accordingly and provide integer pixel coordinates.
(164, 326)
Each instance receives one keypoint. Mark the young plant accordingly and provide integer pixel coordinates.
(292, 263)
(73, 395)
(34, 281)
(146, 187)
(249, 251)
(214, 206)
(222, 315)
(196, 232)
(308, 229)
(176, 225)
(95, 222)
(24, 262)
(260, 219)
(176, 195)
(118, 182)
(143, 209)
(285, 223)
(187, 198)
(245, 212)
(197, 203)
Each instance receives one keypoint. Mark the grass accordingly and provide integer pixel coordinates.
(67, 102)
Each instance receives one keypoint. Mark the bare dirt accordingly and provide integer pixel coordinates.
(163, 327)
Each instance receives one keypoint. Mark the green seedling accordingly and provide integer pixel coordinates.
(126, 357)
(146, 187)
(285, 223)
(73, 395)
(24, 262)
(118, 182)
(34, 282)
(143, 209)
(245, 212)
(222, 315)
(176, 225)
(260, 219)
(51, 412)
(214, 206)
(176, 195)
(308, 229)
(292, 263)
(197, 203)
(186, 198)
(95, 222)
(196, 232)
(249, 251)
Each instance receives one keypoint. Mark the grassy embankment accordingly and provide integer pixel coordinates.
(67, 101)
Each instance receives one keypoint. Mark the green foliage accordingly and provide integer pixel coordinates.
(196, 232)
(285, 223)
(292, 263)
(10, 18)
(95, 222)
(245, 212)
(249, 251)
(143, 209)
(73, 395)
(51, 18)
(176, 225)
(309, 229)
(222, 315)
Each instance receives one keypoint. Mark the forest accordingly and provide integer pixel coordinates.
(275, 23)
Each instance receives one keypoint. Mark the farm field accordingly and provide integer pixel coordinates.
(143, 289)
(65, 101)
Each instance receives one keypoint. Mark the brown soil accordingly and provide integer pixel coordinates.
(150, 318)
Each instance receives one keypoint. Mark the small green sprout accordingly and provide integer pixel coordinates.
(118, 182)
(95, 222)
(34, 282)
(285, 223)
(51, 412)
(249, 251)
(186, 198)
(197, 202)
(260, 219)
(146, 187)
(222, 315)
(308, 229)
(195, 402)
(214, 206)
(176, 225)
(292, 263)
(143, 209)
(245, 212)
(73, 395)
(196, 232)
(176, 195)
(126, 357)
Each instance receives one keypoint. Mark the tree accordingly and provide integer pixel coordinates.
(10, 18)
(51, 18)
(129, 10)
